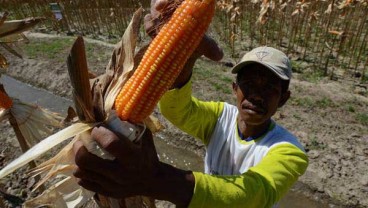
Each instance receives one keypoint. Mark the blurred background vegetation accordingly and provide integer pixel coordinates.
(330, 36)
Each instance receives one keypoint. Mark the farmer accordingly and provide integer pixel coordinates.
(251, 161)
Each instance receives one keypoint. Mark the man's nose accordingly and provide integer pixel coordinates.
(255, 94)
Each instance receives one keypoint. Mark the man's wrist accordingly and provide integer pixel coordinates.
(186, 73)
(172, 184)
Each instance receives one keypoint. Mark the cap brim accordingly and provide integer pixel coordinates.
(241, 66)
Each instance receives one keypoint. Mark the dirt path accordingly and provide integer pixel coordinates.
(329, 117)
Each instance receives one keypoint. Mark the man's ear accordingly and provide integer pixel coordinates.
(284, 97)
(235, 88)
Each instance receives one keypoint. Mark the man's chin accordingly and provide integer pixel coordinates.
(253, 120)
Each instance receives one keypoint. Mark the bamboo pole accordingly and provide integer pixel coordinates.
(358, 36)
(308, 34)
(363, 78)
(361, 49)
(355, 40)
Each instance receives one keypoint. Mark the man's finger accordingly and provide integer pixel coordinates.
(209, 48)
(122, 148)
(95, 187)
(95, 178)
(83, 159)
(150, 25)
(160, 5)
(116, 191)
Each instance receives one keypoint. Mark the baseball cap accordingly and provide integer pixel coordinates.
(269, 57)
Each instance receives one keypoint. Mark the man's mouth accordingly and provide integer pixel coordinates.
(253, 109)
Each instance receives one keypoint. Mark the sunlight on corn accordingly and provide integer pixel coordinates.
(164, 60)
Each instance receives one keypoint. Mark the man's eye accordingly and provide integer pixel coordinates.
(272, 87)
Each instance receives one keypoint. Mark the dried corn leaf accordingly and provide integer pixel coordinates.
(3, 17)
(3, 63)
(44, 146)
(18, 26)
(61, 164)
(153, 124)
(335, 32)
(65, 194)
(344, 4)
(4, 114)
(79, 77)
(329, 9)
(119, 69)
(124, 63)
(20, 37)
(11, 50)
(34, 122)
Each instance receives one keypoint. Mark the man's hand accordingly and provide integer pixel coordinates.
(208, 47)
(133, 168)
(136, 170)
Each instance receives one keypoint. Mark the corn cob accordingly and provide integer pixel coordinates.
(5, 101)
(164, 59)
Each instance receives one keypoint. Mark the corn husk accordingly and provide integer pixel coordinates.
(33, 121)
(61, 164)
(18, 26)
(3, 63)
(104, 89)
(44, 146)
(114, 69)
(30, 122)
(4, 114)
(11, 32)
(64, 194)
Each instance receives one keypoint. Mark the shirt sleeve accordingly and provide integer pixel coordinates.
(195, 117)
(261, 186)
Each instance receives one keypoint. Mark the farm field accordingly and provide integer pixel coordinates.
(329, 117)
(327, 42)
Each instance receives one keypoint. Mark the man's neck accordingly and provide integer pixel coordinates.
(248, 130)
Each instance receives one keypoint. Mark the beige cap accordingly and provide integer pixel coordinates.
(271, 58)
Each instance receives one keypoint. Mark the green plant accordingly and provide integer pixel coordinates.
(221, 87)
(296, 116)
(324, 103)
(313, 77)
(315, 144)
(351, 108)
(49, 49)
(362, 118)
(226, 79)
(302, 101)
(296, 66)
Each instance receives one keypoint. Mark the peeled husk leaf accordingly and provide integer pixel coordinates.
(11, 31)
(3, 63)
(44, 146)
(10, 49)
(61, 164)
(3, 17)
(18, 26)
(4, 114)
(122, 66)
(34, 121)
(65, 194)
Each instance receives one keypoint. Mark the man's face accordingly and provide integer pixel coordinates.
(259, 94)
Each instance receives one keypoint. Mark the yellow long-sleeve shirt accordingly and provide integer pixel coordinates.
(238, 173)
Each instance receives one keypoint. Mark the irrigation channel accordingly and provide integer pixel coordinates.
(172, 155)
